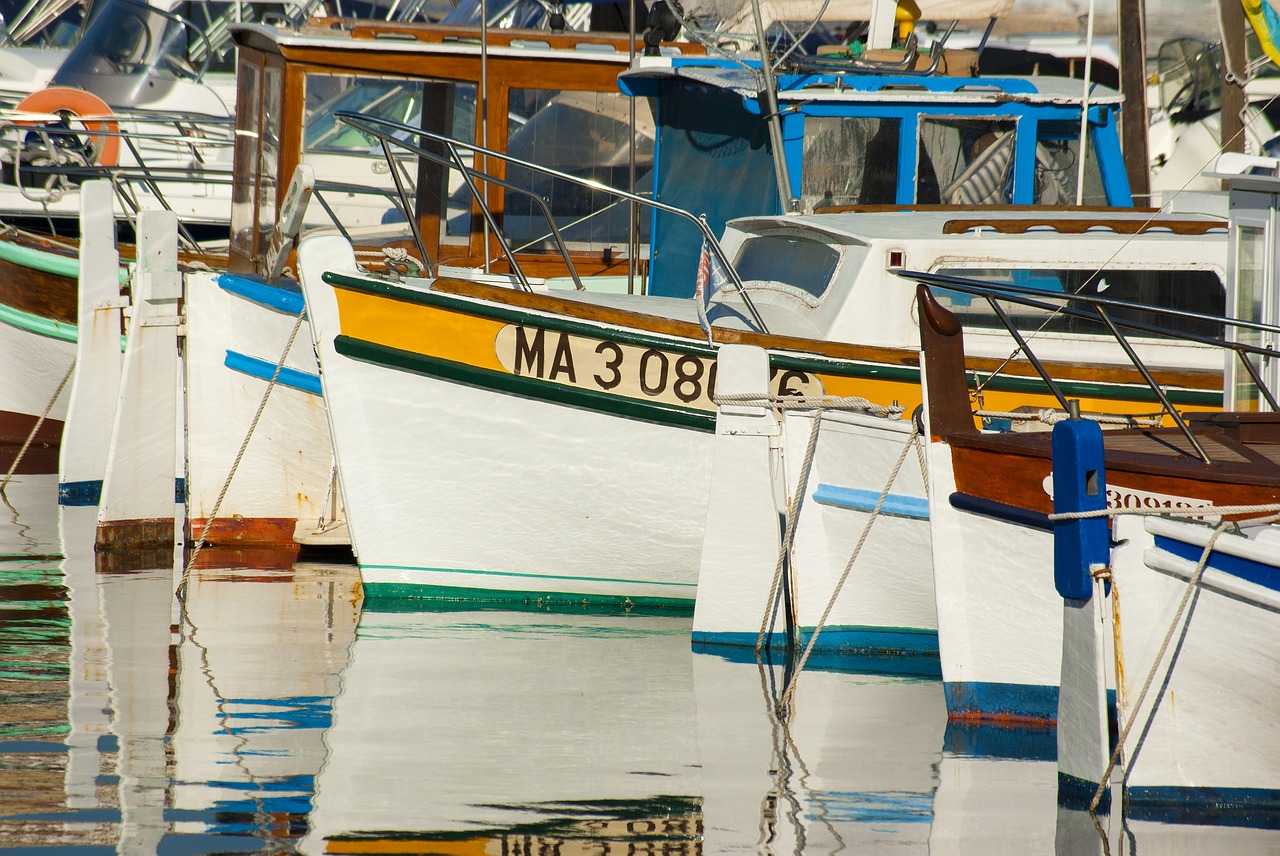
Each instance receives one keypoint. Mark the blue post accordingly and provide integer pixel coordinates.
(1079, 484)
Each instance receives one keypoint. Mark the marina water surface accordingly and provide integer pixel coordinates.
(277, 711)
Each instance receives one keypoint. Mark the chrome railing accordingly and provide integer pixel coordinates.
(394, 136)
(1101, 309)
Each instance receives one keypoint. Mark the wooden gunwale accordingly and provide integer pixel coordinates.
(836, 350)
(1010, 467)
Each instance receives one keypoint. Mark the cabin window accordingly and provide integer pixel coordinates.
(1058, 167)
(352, 174)
(791, 260)
(1199, 291)
(248, 120)
(257, 149)
(965, 161)
(587, 135)
(269, 153)
(849, 161)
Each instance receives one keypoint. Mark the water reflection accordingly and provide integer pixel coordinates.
(272, 712)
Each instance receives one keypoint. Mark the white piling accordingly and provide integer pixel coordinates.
(740, 547)
(91, 410)
(138, 496)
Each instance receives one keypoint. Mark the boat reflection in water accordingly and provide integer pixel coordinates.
(492, 729)
(267, 713)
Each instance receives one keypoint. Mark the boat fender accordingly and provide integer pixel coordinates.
(92, 111)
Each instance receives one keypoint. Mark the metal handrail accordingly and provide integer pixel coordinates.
(992, 292)
(394, 134)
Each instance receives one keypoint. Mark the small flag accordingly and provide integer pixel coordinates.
(712, 277)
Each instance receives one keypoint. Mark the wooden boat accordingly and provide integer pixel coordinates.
(249, 313)
(1194, 611)
(521, 389)
(990, 492)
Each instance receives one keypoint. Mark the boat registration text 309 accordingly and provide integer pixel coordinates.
(634, 371)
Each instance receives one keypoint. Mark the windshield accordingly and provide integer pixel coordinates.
(131, 53)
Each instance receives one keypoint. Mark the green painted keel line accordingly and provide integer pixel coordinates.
(409, 597)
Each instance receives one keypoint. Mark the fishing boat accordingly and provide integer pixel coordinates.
(494, 372)
(1192, 598)
(240, 308)
(990, 492)
(1186, 589)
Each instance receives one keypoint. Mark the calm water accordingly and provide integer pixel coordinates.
(276, 713)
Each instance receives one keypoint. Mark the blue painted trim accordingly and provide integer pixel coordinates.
(1076, 793)
(1258, 573)
(1020, 702)
(1001, 511)
(81, 493)
(927, 668)
(856, 499)
(1253, 808)
(259, 368)
(836, 639)
(89, 493)
(286, 297)
(1008, 741)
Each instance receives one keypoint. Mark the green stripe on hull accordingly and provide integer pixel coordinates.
(42, 260)
(664, 414)
(37, 324)
(778, 359)
(410, 597)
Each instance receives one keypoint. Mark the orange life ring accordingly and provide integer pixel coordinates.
(93, 112)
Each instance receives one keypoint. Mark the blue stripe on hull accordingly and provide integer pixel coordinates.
(1257, 808)
(1000, 511)
(87, 493)
(1258, 573)
(82, 493)
(283, 298)
(1014, 742)
(1009, 702)
(1077, 793)
(856, 499)
(835, 640)
(264, 370)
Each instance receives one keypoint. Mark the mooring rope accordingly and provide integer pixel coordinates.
(57, 393)
(1190, 511)
(789, 527)
(912, 439)
(1052, 417)
(226, 485)
(810, 402)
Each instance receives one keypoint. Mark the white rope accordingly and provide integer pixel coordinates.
(789, 528)
(912, 439)
(57, 393)
(1191, 586)
(226, 485)
(1052, 417)
(1189, 511)
(809, 402)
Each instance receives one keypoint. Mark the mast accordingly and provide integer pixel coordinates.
(1084, 106)
(770, 87)
(1132, 28)
(1231, 14)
